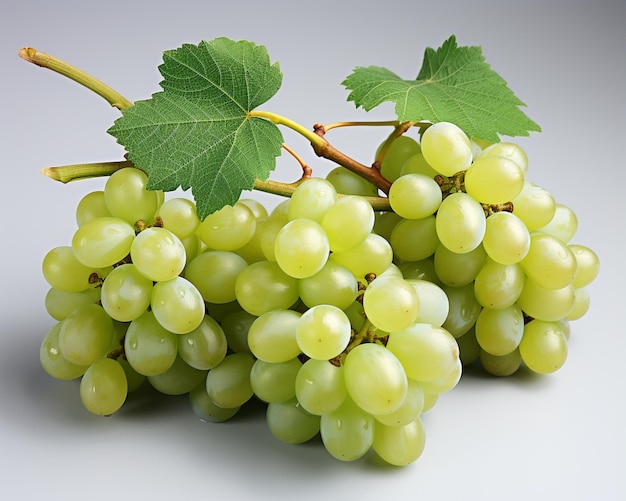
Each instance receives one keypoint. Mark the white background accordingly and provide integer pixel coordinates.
(524, 437)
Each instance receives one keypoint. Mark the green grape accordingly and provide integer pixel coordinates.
(446, 148)
(311, 200)
(274, 383)
(158, 254)
(126, 293)
(263, 287)
(86, 335)
(214, 274)
(409, 410)
(236, 326)
(219, 311)
(587, 265)
(373, 255)
(460, 223)
(510, 151)
(546, 304)
(53, 361)
(347, 432)
(177, 305)
(91, 206)
(499, 332)
(549, 262)
(399, 445)
(498, 285)
(391, 303)
(563, 224)
(544, 347)
(426, 352)
(229, 228)
(434, 305)
(334, 284)
(192, 247)
(59, 303)
(127, 197)
(289, 423)
(320, 386)
(257, 208)
(430, 400)
(301, 248)
(399, 151)
(103, 242)
(417, 164)
(464, 309)
(494, 180)
(63, 271)
(272, 336)
(384, 223)
(204, 347)
(280, 213)
(534, 206)
(348, 222)
(206, 409)
(103, 387)
(469, 349)
(501, 365)
(446, 382)
(179, 379)
(252, 252)
(415, 196)
(414, 239)
(228, 384)
(582, 301)
(375, 379)
(455, 269)
(349, 183)
(506, 239)
(179, 216)
(149, 348)
(323, 332)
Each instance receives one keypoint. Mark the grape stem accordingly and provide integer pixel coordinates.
(44, 60)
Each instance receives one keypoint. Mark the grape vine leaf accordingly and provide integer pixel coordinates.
(454, 84)
(197, 133)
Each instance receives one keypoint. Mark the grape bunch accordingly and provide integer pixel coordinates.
(345, 322)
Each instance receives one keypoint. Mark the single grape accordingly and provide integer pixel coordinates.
(399, 445)
(391, 303)
(506, 239)
(179, 216)
(274, 383)
(179, 379)
(63, 271)
(415, 196)
(460, 223)
(494, 180)
(60, 304)
(289, 423)
(177, 305)
(311, 200)
(127, 197)
(375, 379)
(501, 365)
(334, 284)
(373, 255)
(320, 386)
(499, 332)
(563, 224)
(399, 151)
(126, 293)
(414, 239)
(582, 302)
(446, 148)
(91, 206)
(508, 150)
(534, 206)
(498, 285)
(347, 432)
(301, 248)
(588, 265)
(206, 409)
(349, 183)
(348, 222)
(228, 384)
(158, 254)
(86, 335)
(150, 348)
(263, 287)
(549, 262)
(323, 332)
(543, 347)
(214, 273)
(236, 326)
(272, 336)
(204, 347)
(456, 269)
(546, 304)
(417, 164)
(103, 241)
(464, 309)
(103, 387)
(229, 228)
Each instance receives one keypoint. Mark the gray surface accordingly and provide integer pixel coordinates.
(556, 437)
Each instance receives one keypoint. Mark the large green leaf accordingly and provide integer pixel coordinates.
(197, 132)
(455, 84)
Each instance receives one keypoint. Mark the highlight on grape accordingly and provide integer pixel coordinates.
(347, 310)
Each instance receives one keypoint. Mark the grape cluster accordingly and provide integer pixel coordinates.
(347, 323)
